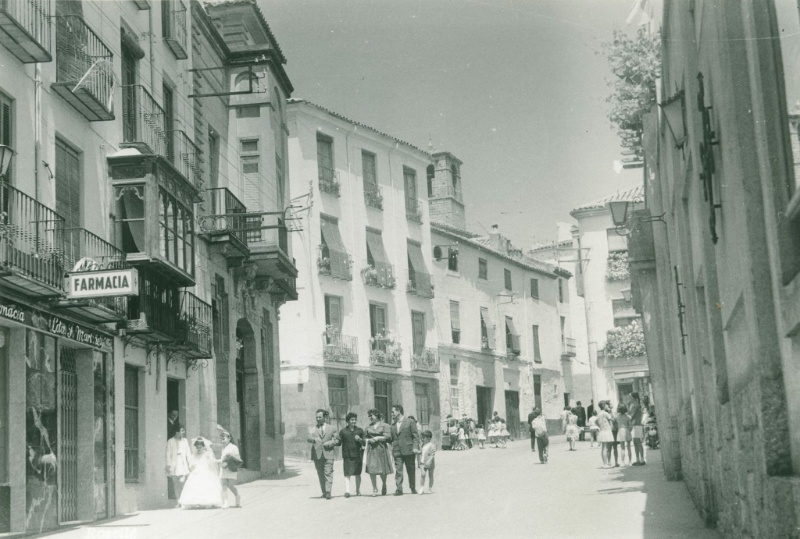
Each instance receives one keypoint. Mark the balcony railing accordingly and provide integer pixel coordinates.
(419, 284)
(195, 321)
(385, 352)
(427, 360)
(185, 156)
(31, 243)
(156, 309)
(414, 210)
(25, 29)
(84, 69)
(378, 274)
(339, 348)
(175, 28)
(334, 263)
(568, 347)
(329, 181)
(142, 120)
(221, 218)
(373, 196)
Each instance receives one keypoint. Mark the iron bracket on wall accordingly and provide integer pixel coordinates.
(708, 165)
(681, 310)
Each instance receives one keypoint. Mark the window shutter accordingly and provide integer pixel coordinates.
(5, 125)
(68, 185)
(455, 316)
(335, 312)
(418, 323)
(537, 355)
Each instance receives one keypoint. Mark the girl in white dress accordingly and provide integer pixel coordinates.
(229, 463)
(202, 489)
(605, 435)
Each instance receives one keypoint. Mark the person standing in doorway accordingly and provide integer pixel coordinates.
(351, 438)
(405, 447)
(635, 411)
(177, 461)
(531, 417)
(580, 411)
(173, 424)
(323, 440)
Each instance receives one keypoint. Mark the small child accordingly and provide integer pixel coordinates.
(573, 431)
(624, 432)
(503, 435)
(594, 428)
(427, 461)
(480, 434)
(462, 438)
(493, 433)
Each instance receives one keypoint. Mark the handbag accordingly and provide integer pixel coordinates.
(232, 463)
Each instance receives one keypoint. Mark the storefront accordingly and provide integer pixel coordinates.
(56, 420)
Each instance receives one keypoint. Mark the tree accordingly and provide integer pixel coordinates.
(636, 63)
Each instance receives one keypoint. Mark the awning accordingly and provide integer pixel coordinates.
(489, 328)
(339, 259)
(422, 279)
(511, 328)
(375, 245)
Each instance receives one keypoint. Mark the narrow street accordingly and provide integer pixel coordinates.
(487, 493)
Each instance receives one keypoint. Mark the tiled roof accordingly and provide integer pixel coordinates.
(354, 122)
(551, 245)
(630, 194)
(261, 19)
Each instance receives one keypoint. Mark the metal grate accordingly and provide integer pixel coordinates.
(68, 482)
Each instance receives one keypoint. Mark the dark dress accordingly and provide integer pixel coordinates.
(379, 460)
(352, 451)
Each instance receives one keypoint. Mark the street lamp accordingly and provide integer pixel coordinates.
(6, 153)
(674, 110)
(623, 222)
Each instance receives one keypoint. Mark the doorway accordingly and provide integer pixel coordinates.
(512, 414)
(68, 419)
(247, 396)
(173, 403)
(484, 398)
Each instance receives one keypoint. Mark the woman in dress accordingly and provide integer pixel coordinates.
(177, 460)
(351, 438)
(229, 464)
(624, 433)
(605, 435)
(379, 462)
(202, 489)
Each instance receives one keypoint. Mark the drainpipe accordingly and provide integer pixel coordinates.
(37, 126)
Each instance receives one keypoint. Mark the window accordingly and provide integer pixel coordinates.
(455, 175)
(412, 204)
(333, 315)
(333, 257)
(624, 321)
(537, 391)
(372, 193)
(325, 170)
(247, 81)
(382, 389)
(487, 330)
(561, 291)
(452, 259)
(129, 62)
(423, 401)
(249, 156)
(131, 424)
(377, 319)
(379, 272)
(419, 280)
(507, 278)
(512, 337)
(249, 146)
(169, 121)
(176, 234)
(483, 269)
(68, 186)
(537, 352)
(213, 158)
(248, 111)
(418, 332)
(455, 391)
(615, 241)
(337, 394)
(535, 288)
(430, 172)
(455, 322)
(129, 225)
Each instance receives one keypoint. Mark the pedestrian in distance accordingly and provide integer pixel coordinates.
(351, 438)
(493, 433)
(405, 447)
(614, 431)
(480, 436)
(593, 429)
(573, 432)
(323, 440)
(427, 462)
(590, 409)
(378, 435)
(203, 489)
(531, 417)
(462, 438)
(624, 433)
(564, 414)
(637, 433)
(177, 461)
(539, 425)
(604, 435)
(504, 434)
(581, 413)
(229, 463)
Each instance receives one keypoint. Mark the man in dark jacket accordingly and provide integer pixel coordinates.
(405, 446)
(531, 417)
(581, 419)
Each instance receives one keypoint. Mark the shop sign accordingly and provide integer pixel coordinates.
(52, 324)
(100, 284)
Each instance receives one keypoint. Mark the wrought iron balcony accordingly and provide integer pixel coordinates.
(334, 263)
(373, 196)
(426, 360)
(384, 352)
(84, 69)
(142, 121)
(175, 33)
(25, 29)
(154, 314)
(329, 181)
(31, 245)
(419, 284)
(339, 348)
(84, 251)
(414, 210)
(195, 325)
(185, 156)
(222, 224)
(568, 347)
(378, 274)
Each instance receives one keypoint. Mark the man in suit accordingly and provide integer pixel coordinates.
(531, 417)
(581, 419)
(323, 440)
(405, 447)
(173, 423)
(590, 409)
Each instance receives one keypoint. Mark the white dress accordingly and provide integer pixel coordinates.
(202, 488)
(225, 473)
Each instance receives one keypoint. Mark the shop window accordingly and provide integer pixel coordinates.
(337, 393)
(131, 424)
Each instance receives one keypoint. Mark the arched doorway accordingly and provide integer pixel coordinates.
(247, 396)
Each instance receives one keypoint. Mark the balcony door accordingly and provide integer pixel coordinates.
(68, 186)
(418, 332)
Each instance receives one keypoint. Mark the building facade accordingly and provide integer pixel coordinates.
(363, 333)
(502, 318)
(616, 346)
(110, 181)
(717, 280)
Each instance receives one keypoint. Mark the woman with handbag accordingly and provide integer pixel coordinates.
(230, 462)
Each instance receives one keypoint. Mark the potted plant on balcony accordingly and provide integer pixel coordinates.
(617, 268)
(370, 275)
(324, 264)
(626, 341)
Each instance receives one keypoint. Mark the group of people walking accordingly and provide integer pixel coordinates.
(466, 434)
(199, 479)
(383, 448)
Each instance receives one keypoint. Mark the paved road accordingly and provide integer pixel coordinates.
(478, 493)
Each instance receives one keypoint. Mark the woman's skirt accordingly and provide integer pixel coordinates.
(352, 466)
(623, 435)
(378, 460)
(605, 436)
(202, 490)
(572, 432)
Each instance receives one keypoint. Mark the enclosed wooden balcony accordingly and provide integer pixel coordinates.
(195, 326)
(25, 29)
(32, 259)
(84, 251)
(154, 314)
(84, 69)
(224, 224)
(142, 121)
(268, 242)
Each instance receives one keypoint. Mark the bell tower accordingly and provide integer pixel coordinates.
(445, 198)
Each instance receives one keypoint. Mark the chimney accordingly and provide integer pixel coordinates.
(496, 240)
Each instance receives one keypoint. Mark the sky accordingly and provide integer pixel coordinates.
(516, 89)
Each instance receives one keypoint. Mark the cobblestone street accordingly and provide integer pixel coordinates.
(487, 493)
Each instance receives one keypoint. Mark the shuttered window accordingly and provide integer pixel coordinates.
(368, 168)
(537, 353)
(68, 185)
(455, 322)
(487, 330)
(333, 313)
(418, 332)
(377, 319)
(6, 127)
